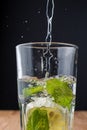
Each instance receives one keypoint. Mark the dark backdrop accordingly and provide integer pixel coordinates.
(25, 21)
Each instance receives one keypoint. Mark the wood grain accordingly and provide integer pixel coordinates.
(10, 120)
(80, 120)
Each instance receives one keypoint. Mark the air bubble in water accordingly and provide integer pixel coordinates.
(38, 51)
(56, 62)
(35, 69)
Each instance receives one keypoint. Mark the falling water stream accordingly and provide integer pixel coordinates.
(47, 53)
(49, 15)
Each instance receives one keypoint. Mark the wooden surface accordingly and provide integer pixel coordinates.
(10, 120)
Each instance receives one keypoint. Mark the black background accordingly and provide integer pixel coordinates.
(25, 21)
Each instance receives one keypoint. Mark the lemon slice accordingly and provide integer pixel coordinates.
(56, 119)
(46, 118)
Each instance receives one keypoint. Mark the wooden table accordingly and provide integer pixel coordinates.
(10, 120)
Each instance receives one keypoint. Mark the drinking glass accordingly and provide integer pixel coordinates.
(46, 78)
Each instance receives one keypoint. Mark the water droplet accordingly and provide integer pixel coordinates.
(26, 21)
(22, 36)
(7, 26)
(65, 9)
(6, 16)
(38, 12)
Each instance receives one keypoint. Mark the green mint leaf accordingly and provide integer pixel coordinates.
(61, 92)
(33, 90)
(37, 120)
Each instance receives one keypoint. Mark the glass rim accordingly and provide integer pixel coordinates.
(63, 44)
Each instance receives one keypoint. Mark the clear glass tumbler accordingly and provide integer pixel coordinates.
(46, 77)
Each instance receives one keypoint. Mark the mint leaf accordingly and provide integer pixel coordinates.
(61, 92)
(37, 120)
(33, 90)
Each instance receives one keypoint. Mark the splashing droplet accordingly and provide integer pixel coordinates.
(26, 21)
(38, 12)
(6, 16)
(7, 26)
(65, 9)
(22, 36)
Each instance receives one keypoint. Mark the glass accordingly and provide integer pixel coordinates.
(46, 77)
